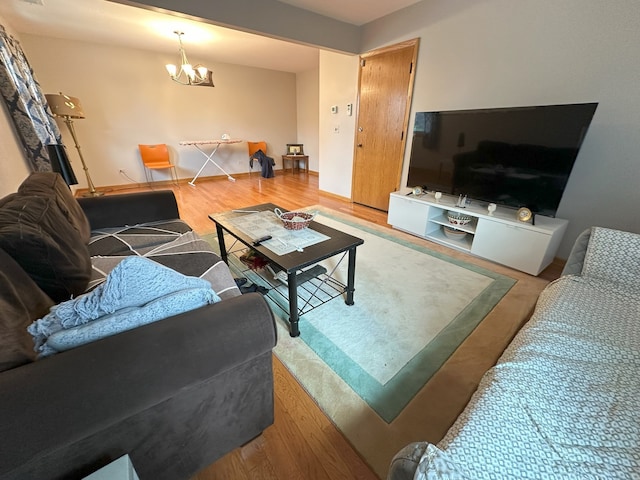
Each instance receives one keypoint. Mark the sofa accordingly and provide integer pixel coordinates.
(175, 393)
(563, 400)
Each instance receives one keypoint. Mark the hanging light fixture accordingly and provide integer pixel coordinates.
(188, 74)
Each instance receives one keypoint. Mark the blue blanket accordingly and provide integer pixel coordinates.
(135, 282)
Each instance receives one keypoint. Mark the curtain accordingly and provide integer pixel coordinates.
(26, 103)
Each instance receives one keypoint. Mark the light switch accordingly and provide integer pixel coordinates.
(349, 108)
(334, 109)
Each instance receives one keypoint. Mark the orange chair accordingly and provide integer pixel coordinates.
(253, 148)
(156, 157)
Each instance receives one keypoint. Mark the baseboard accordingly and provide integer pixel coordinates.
(181, 181)
(333, 195)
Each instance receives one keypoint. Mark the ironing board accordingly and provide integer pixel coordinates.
(199, 144)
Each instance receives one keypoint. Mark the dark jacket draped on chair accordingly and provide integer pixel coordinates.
(266, 163)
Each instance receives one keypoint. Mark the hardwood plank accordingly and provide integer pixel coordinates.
(277, 449)
(336, 454)
(232, 468)
(300, 445)
(256, 459)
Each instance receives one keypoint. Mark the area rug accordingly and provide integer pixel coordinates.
(412, 309)
(363, 364)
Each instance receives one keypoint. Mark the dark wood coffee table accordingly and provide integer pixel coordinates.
(296, 263)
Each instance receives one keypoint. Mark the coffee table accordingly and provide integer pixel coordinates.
(298, 265)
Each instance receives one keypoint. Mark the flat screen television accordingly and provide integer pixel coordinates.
(517, 157)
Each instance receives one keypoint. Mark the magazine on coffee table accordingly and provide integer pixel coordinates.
(283, 241)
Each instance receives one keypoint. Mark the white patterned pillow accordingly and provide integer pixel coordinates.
(613, 256)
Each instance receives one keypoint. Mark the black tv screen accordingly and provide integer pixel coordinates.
(517, 157)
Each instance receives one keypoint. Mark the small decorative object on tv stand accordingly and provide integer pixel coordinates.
(524, 214)
(457, 218)
(500, 237)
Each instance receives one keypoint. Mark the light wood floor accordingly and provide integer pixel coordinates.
(302, 443)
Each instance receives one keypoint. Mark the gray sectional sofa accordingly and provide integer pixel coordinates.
(175, 394)
(563, 401)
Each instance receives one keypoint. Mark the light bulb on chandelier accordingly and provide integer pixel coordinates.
(189, 75)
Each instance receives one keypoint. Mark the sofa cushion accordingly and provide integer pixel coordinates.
(21, 302)
(170, 243)
(39, 237)
(52, 184)
(613, 256)
(575, 262)
(139, 239)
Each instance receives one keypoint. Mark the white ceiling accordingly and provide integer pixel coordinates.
(356, 12)
(105, 22)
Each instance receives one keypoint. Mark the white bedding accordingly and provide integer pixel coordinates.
(564, 400)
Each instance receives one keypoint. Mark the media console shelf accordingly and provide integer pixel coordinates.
(500, 238)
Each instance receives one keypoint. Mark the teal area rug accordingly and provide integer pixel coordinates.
(413, 308)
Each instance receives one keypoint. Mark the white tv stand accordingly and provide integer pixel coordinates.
(500, 238)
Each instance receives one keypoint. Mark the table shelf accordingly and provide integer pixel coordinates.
(316, 286)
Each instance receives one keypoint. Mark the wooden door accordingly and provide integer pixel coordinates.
(384, 99)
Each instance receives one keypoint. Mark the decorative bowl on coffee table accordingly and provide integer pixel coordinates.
(294, 220)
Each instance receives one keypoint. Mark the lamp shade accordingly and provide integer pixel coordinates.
(64, 106)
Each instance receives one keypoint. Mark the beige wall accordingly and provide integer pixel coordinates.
(308, 91)
(129, 99)
(338, 86)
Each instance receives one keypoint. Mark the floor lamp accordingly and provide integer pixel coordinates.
(60, 163)
(69, 108)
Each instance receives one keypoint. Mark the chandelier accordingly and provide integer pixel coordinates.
(188, 74)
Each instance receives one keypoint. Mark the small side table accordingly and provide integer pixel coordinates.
(295, 162)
